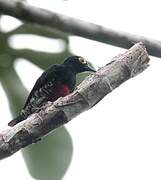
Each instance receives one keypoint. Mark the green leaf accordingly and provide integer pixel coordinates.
(39, 58)
(38, 30)
(14, 88)
(50, 158)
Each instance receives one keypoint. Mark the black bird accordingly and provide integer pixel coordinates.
(57, 81)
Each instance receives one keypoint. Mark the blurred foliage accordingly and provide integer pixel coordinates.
(50, 158)
(55, 153)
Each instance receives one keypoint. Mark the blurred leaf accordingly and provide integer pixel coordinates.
(15, 90)
(3, 44)
(81, 77)
(50, 158)
(39, 58)
(39, 30)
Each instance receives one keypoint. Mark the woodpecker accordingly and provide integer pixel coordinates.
(57, 81)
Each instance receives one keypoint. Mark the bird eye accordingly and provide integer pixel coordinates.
(50, 83)
(82, 60)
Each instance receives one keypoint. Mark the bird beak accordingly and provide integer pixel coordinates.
(87, 68)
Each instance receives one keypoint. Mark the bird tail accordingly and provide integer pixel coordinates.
(16, 120)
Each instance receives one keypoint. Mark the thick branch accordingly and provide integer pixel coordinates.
(77, 27)
(86, 95)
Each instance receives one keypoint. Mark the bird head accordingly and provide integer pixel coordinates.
(78, 64)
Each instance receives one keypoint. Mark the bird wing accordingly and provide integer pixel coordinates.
(46, 76)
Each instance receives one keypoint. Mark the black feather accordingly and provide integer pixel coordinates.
(16, 120)
(55, 76)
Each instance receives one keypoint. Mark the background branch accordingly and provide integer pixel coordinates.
(39, 16)
(87, 94)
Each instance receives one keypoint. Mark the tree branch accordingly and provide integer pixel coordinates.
(70, 25)
(86, 95)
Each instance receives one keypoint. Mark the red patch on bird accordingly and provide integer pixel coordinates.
(60, 90)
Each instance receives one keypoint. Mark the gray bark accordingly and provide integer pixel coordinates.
(85, 96)
(70, 25)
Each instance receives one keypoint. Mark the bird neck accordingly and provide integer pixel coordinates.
(71, 67)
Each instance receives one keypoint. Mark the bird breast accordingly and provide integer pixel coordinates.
(59, 90)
